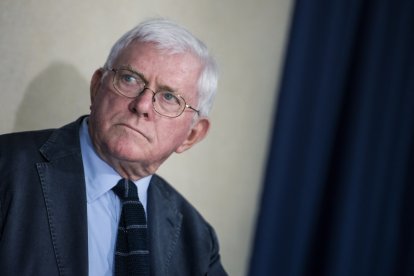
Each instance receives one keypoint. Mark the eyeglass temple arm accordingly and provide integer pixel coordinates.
(192, 108)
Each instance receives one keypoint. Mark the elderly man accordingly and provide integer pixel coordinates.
(85, 199)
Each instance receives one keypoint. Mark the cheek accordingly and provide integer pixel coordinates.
(120, 140)
(102, 100)
(173, 134)
(105, 107)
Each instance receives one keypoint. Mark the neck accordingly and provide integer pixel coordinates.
(130, 170)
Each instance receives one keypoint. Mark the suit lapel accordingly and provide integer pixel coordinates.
(164, 222)
(63, 185)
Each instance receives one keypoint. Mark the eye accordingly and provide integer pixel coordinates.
(169, 98)
(128, 78)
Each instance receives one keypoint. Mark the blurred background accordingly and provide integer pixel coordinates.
(50, 49)
(309, 166)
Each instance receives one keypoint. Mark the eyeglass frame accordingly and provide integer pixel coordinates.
(115, 70)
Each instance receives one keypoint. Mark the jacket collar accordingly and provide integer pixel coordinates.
(164, 222)
(63, 185)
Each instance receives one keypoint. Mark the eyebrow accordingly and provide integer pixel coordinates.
(159, 88)
(129, 67)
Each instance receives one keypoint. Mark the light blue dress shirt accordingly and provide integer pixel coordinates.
(103, 206)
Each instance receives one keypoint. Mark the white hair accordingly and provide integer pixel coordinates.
(174, 39)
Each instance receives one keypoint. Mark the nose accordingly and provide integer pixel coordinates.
(142, 105)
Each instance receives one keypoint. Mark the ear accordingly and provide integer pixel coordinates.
(195, 135)
(95, 83)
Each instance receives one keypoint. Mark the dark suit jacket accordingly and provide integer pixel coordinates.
(43, 218)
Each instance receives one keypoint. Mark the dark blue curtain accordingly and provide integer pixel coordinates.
(338, 194)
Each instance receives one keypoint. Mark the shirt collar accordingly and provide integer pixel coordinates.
(99, 176)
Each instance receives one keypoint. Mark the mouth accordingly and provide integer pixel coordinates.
(136, 131)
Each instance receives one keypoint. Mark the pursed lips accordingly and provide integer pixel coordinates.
(136, 130)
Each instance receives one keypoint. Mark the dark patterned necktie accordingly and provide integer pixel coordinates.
(131, 253)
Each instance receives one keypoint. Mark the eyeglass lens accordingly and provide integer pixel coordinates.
(131, 85)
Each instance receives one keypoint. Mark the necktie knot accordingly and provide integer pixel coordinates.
(126, 190)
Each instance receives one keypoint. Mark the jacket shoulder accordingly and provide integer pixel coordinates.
(175, 197)
(197, 245)
(13, 145)
(24, 137)
(26, 143)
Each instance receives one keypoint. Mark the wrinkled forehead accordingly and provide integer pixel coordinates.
(180, 71)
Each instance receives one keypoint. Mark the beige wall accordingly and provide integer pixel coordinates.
(49, 49)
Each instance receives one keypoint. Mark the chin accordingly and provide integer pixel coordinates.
(126, 151)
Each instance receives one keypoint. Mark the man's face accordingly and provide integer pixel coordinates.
(128, 133)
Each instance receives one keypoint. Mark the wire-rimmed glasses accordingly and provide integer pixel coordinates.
(131, 84)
